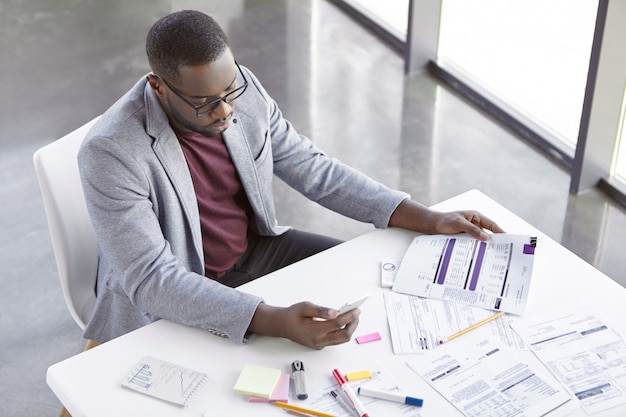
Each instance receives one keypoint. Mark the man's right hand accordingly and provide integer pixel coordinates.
(305, 323)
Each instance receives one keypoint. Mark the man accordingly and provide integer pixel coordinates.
(178, 181)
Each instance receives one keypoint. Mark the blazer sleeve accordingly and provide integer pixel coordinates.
(149, 269)
(325, 180)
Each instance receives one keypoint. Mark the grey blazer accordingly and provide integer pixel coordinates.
(143, 208)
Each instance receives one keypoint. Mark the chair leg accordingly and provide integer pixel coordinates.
(90, 345)
(64, 413)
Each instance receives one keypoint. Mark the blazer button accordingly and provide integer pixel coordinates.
(234, 120)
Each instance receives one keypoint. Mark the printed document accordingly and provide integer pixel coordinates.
(417, 324)
(482, 378)
(494, 275)
(586, 355)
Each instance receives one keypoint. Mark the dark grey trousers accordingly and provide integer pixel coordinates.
(266, 254)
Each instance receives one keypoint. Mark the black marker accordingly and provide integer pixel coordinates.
(299, 379)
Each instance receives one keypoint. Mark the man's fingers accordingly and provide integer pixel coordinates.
(344, 334)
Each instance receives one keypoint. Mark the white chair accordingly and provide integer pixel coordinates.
(73, 238)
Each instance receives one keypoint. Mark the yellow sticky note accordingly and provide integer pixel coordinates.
(353, 376)
(258, 381)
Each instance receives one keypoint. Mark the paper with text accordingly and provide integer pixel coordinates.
(586, 355)
(494, 274)
(482, 378)
(417, 324)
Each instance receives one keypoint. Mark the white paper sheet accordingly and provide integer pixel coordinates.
(417, 324)
(481, 378)
(586, 355)
(494, 274)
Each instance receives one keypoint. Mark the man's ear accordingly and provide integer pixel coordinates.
(155, 84)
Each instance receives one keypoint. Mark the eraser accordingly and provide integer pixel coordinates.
(353, 376)
(372, 337)
(388, 270)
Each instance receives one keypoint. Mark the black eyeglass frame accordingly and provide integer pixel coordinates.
(212, 105)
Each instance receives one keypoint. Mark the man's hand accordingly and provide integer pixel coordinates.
(469, 221)
(414, 216)
(305, 323)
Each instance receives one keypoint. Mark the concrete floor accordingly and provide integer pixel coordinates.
(66, 61)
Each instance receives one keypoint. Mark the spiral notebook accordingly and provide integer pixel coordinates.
(165, 380)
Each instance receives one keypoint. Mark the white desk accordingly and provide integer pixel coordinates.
(88, 384)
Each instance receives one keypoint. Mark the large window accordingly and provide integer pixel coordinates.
(530, 57)
(533, 61)
(390, 15)
(619, 163)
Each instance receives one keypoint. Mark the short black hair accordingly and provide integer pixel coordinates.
(184, 38)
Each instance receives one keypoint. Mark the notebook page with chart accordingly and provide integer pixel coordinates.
(165, 380)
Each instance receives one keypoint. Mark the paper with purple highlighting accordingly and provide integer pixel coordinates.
(494, 275)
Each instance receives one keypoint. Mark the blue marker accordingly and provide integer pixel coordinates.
(390, 396)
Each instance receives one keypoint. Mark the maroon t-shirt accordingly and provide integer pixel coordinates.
(222, 201)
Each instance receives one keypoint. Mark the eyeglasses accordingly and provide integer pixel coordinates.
(212, 105)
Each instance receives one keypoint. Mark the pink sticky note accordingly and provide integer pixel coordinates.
(372, 337)
(281, 392)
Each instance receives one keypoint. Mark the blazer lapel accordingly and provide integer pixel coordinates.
(234, 138)
(169, 153)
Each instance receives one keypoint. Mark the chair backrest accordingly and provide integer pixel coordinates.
(71, 232)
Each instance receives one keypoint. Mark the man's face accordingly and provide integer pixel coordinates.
(200, 85)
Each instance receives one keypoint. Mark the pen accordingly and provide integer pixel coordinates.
(301, 409)
(347, 389)
(390, 396)
(299, 379)
(472, 327)
(341, 401)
